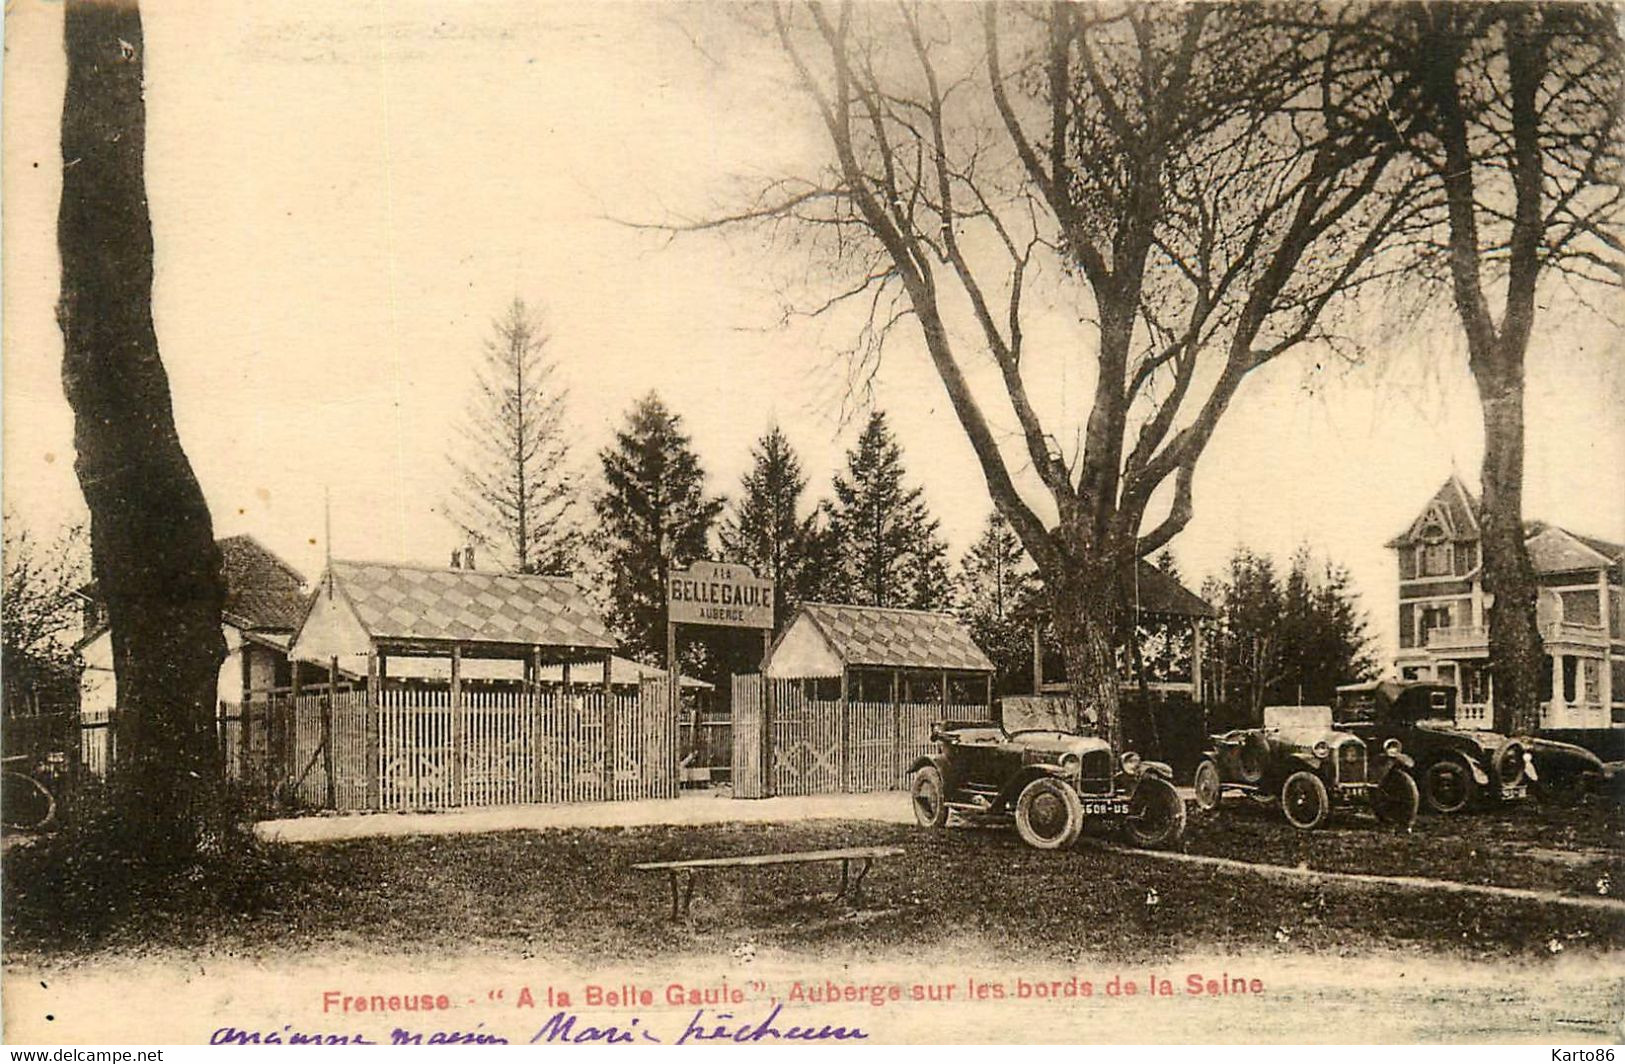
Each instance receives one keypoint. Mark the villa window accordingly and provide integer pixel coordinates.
(1571, 669)
(1432, 617)
(1591, 680)
(1581, 607)
(1436, 559)
(1546, 678)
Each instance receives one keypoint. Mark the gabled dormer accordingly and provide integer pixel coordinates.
(1442, 542)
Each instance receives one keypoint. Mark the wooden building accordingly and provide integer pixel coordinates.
(429, 744)
(848, 696)
(1170, 620)
(1443, 615)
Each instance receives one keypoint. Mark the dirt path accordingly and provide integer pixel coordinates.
(1613, 906)
(696, 808)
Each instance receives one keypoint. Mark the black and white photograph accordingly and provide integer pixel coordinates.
(845, 522)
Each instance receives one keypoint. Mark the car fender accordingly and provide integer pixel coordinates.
(1017, 783)
(1480, 777)
(930, 760)
(1157, 768)
(1306, 762)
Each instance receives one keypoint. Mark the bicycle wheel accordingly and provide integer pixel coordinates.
(25, 804)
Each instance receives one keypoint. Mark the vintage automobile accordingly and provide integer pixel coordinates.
(1299, 760)
(1564, 774)
(1455, 766)
(1038, 768)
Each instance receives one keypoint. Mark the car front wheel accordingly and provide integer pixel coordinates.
(1395, 799)
(1049, 815)
(1207, 785)
(1304, 801)
(1156, 813)
(929, 796)
(1447, 786)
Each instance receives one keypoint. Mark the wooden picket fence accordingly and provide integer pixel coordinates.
(413, 751)
(827, 746)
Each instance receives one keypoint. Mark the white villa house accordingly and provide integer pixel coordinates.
(1443, 633)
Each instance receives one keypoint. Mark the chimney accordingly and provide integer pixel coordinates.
(468, 556)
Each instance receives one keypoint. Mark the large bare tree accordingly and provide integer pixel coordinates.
(1520, 128)
(1191, 187)
(152, 541)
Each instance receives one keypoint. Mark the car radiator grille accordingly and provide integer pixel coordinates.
(1097, 772)
(1351, 763)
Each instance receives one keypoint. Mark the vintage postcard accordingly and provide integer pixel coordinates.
(755, 523)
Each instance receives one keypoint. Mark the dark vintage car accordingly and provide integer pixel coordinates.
(1564, 774)
(1036, 768)
(1300, 761)
(1455, 766)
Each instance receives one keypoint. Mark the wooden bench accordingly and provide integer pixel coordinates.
(681, 873)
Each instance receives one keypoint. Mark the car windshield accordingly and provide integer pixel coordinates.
(1298, 717)
(1034, 713)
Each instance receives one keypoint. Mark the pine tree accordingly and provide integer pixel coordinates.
(1287, 641)
(884, 548)
(515, 493)
(653, 514)
(765, 528)
(994, 593)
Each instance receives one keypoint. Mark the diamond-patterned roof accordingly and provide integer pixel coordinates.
(470, 606)
(890, 638)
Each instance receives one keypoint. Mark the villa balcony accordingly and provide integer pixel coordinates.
(1467, 637)
(1558, 714)
(1573, 632)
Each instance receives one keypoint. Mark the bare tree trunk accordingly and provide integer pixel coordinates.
(152, 541)
(1084, 602)
(1515, 643)
(1496, 355)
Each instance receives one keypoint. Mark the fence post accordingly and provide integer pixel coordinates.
(896, 732)
(535, 717)
(608, 732)
(458, 741)
(765, 739)
(843, 745)
(327, 731)
(374, 699)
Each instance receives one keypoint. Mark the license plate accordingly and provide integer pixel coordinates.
(1104, 807)
(1513, 792)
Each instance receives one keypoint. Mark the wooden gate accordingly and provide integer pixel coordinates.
(789, 743)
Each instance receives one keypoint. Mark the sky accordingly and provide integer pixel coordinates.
(345, 195)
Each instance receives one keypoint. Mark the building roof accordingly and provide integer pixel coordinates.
(881, 637)
(1157, 592)
(1552, 549)
(1453, 505)
(1557, 550)
(412, 603)
(263, 592)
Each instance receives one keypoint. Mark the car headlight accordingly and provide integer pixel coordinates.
(1392, 747)
(1071, 764)
(1131, 761)
(1321, 749)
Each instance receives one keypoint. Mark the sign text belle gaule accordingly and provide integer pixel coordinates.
(719, 593)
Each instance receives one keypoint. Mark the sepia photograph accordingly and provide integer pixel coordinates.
(852, 522)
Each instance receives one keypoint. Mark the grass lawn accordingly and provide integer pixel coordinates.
(1525, 844)
(573, 894)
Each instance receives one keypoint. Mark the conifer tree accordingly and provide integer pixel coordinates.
(653, 514)
(883, 547)
(994, 593)
(515, 493)
(765, 527)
